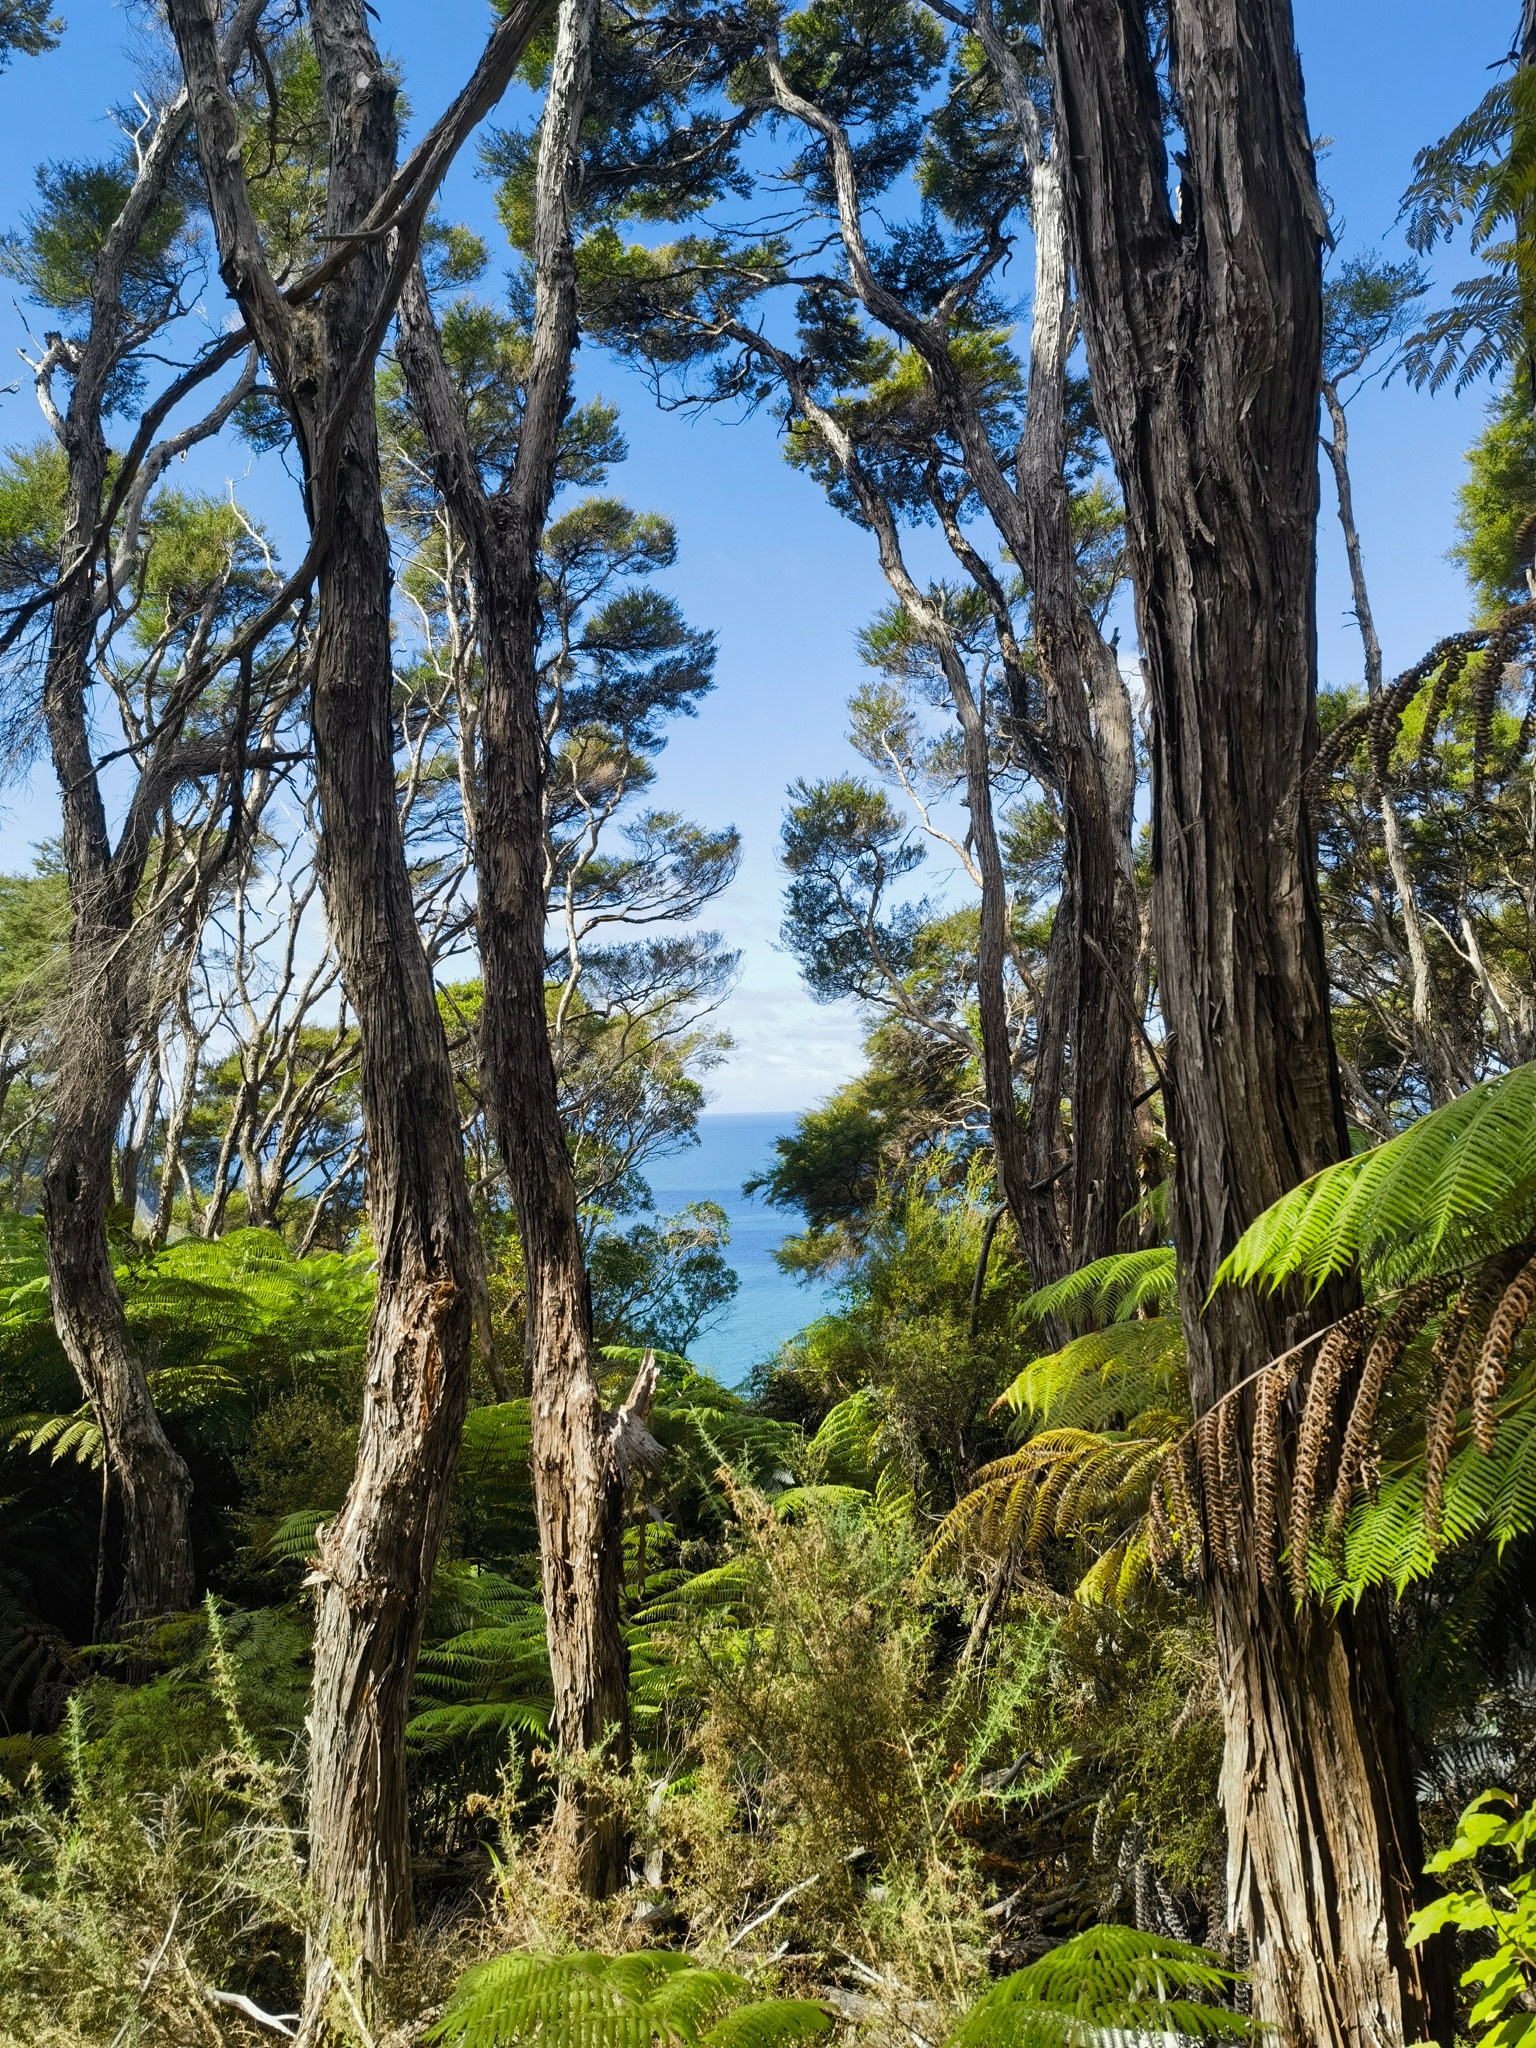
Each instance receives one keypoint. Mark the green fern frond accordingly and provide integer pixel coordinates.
(1489, 1498)
(629, 2001)
(1107, 1372)
(76, 1436)
(848, 1443)
(438, 1727)
(768, 2023)
(1110, 1290)
(294, 1538)
(1062, 1483)
(1456, 1186)
(1106, 1985)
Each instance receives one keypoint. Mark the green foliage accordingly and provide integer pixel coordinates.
(662, 1283)
(1455, 1186)
(1496, 503)
(27, 25)
(1501, 1909)
(625, 2001)
(1108, 1983)
(1481, 175)
(170, 1829)
(54, 258)
(843, 848)
(1489, 1499)
(33, 485)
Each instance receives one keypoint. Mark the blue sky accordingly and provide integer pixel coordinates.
(784, 582)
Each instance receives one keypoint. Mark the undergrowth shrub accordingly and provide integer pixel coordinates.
(164, 1863)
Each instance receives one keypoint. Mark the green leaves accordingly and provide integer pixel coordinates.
(1501, 1981)
(1457, 1185)
(1106, 1984)
(631, 2001)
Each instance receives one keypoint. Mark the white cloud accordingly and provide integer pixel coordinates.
(790, 1052)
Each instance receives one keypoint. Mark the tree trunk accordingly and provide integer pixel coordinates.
(92, 1089)
(93, 1082)
(377, 1558)
(583, 1457)
(153, 1484)
(374, 1574)
(1090, 735)
(1204, 336)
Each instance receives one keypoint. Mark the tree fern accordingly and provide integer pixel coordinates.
(1487, 1497)
(629, 2001)
(1108, 1985)
(1110, 1290)
(1107, 1373)
(1455, 1187)
(1102, 1412)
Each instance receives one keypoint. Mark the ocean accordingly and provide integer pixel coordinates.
(771, 1305)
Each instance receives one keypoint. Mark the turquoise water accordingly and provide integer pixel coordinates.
(771, 1305)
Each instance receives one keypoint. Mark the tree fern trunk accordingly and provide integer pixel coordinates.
(1203, 326)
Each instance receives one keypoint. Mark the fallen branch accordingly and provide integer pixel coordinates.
(285, 2023)
(762, 1919)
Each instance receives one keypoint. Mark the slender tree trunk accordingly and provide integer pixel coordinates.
(153, 1485)
(1203, 328)
(92, 1089)
(376, 1560)
(1090, 733)
(1433, 1051)
(583, 1457)
(93, 1081)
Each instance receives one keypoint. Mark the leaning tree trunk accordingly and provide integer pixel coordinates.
(1203, 328)
(93, 1082)
(583, 1457)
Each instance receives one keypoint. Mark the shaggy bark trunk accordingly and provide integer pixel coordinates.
(376, 1560)
(1204, 337)
(583, 1457)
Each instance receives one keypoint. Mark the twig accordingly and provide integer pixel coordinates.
(762, 1919)
(277, 2021)
(149, 1976)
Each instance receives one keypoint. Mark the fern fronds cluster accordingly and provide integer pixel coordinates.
(1101, 1412)
(1109, 1984)
(652, 1999)
(1440, 1223)
(1457, 1186)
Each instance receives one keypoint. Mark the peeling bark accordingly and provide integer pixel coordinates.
(583, 1457)
(376, 1559)
(1203, 328)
